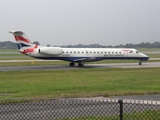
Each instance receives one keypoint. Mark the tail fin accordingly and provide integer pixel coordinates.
(21, 39)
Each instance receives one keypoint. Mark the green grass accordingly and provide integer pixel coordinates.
(79, 83)
(146, 115)
(148, 49)
(33, 63)
(154, 55)
(8, 50)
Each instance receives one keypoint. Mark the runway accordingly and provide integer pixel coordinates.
(66, 67)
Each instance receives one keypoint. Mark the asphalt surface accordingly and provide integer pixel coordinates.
(66, 67)
(153, 97)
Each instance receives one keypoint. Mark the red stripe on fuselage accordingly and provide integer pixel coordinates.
(29, 50)
(126, 50)
(20, 38)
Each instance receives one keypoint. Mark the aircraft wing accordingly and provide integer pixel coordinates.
(85, 59)
(81, 59)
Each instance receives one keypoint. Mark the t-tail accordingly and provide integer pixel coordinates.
(23, 43)
(21, 39)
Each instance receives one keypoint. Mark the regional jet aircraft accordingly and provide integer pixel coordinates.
(74, 55)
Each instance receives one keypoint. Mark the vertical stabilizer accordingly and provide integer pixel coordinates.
(21, 39)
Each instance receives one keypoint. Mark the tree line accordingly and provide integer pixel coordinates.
(12, 45)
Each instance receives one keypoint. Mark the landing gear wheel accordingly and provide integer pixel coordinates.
(140, 63)
(71, 64)
(80, 65)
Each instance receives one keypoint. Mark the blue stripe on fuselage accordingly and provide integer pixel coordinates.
(95, 59)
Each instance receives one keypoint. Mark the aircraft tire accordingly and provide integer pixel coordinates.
(71, 64)
(140, 63)
(80, 65)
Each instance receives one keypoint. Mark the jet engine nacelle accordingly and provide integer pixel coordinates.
(51, 50)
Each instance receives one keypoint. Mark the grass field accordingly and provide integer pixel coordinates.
(79, 83)
(148, 49)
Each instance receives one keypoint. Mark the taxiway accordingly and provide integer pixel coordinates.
(66, 67)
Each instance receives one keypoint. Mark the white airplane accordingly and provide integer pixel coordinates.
(74, 55)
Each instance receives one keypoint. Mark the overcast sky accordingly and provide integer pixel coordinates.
(72, 22)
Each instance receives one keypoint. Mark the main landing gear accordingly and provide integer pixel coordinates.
(71, 64)
(140, 62)
(80, 64)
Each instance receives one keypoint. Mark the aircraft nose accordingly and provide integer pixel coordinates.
(145, 57)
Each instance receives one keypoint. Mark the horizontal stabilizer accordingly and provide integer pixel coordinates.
(16, 33)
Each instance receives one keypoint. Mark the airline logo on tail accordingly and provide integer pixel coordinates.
(21, 39)
(23, 43)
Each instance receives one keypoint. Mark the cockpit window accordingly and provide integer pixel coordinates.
(137, 51)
